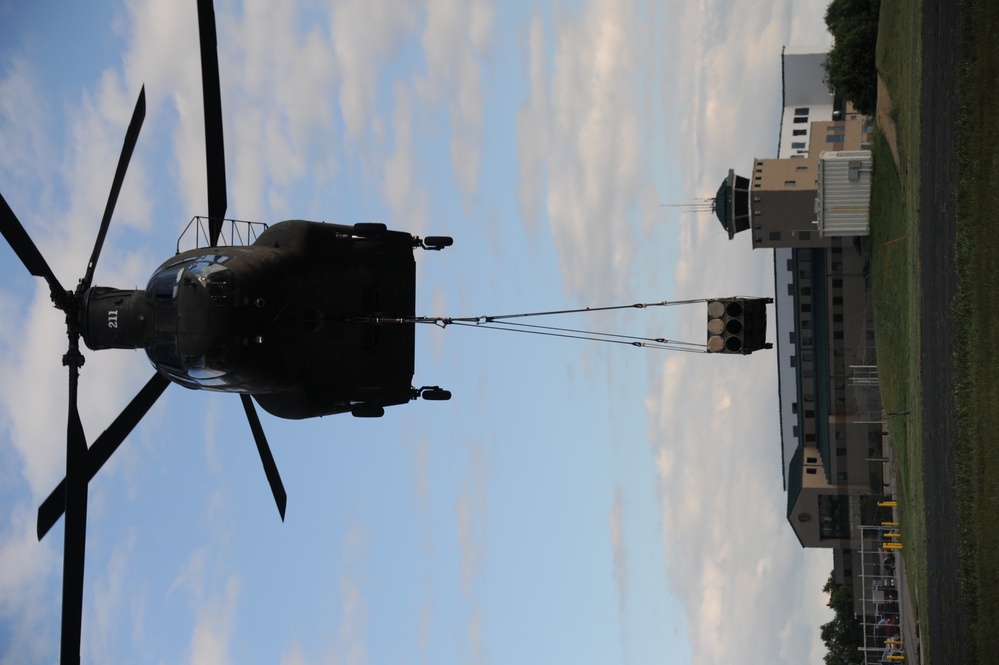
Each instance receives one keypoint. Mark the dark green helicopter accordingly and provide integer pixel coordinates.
(310, 319)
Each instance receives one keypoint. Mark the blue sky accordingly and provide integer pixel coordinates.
(573, 502)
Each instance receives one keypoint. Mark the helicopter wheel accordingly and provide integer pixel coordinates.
(436, 394)
(369, 229)
(437, 242)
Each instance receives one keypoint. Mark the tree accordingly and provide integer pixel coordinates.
(851, 70)
(844, 635)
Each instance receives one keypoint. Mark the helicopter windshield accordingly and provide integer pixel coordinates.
(207, 269)
(163, 285)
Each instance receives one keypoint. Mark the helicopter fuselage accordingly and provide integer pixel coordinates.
(302, 319)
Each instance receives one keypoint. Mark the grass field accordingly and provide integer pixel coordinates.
(895, 275)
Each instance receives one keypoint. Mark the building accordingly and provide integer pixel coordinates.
(809, 206)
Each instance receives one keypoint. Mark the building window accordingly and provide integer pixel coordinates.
(775, 235)
(797, 145)
(835, 138)
(811, 460)
(801, 119)
(810, 471)
(801, 110)
(841, 452)
(801, 169)
(790, 183)
(800, 132)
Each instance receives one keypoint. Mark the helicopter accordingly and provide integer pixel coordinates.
(291, 321)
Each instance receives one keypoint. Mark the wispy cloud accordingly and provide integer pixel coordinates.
(353, 605)
(25, 569)
(578, 134)
(470, 517)
(616, 523)
(455, 42)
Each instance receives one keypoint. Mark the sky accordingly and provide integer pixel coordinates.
(573, 502)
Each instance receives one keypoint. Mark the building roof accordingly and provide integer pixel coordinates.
(724, 205)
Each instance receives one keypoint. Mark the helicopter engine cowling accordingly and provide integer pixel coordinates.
(113, 318)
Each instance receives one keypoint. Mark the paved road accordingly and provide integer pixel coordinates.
(941, 56)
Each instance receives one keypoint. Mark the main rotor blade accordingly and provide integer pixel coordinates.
(25, 248)
(105, 445)
(270, 468)
(212, 96)
(75, 546)
(131, 136)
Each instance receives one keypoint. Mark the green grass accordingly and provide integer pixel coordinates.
(895, 275)
(895, 280)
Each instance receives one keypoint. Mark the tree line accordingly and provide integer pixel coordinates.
(851, 71)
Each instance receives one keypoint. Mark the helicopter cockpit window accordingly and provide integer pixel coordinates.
(163, 285)
(217, 279)
(163, 352)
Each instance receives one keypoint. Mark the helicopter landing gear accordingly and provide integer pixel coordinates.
(432, 393)
(435, 243)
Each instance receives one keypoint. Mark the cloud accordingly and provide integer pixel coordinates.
(211, 637)
(730, 555)
(579, 132)
(353, 605)
(23, 117)
(470, 517)
(406, 198)
(26, 567)
(727, 546)
(533, 129)
(616, 522)
(365, 33)
(455, 41)
(111, 588)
